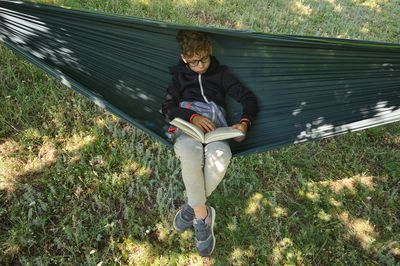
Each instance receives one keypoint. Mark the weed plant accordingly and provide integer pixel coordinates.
(80, 186)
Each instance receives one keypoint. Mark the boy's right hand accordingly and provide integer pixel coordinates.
(203, 123)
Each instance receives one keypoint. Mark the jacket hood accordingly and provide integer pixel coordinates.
(184, 68)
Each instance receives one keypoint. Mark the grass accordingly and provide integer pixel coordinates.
(80, 186)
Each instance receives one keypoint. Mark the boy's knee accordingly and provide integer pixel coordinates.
(219, 151)
(188, 149)
(226, 156)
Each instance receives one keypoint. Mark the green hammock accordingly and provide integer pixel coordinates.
(307, 87)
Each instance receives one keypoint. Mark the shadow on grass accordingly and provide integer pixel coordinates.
(109, 189)
(75, 200)
(304, 221)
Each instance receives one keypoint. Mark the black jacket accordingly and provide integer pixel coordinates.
(218, 81)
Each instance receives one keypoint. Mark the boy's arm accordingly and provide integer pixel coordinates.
(170, 105)
(234, 88)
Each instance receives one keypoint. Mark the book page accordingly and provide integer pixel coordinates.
(222, 133)
(189, 129)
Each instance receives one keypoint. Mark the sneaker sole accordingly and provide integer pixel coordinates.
(175, 226)
(212, 228)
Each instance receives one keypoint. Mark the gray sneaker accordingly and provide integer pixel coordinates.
(205, 240)
(184, 218)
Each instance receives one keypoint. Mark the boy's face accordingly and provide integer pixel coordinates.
(200, 62)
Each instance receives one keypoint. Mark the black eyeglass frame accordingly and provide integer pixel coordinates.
(195, 63)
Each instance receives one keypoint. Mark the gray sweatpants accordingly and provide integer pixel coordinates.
(203, 166)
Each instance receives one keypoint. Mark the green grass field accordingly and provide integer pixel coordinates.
(80, 186)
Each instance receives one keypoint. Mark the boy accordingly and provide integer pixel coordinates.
(196, 94)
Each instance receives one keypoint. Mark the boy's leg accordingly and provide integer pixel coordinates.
(191, 155)
(217, 158)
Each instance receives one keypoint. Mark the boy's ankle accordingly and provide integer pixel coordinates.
(203, 219)
(200, 212)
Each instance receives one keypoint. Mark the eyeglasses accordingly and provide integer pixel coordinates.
(195, 63)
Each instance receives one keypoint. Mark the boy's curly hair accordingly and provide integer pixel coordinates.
(192, 42)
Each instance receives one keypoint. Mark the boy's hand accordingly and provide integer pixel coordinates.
(242, 127)
(203, 123)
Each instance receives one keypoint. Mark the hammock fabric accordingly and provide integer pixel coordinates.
(307, 87)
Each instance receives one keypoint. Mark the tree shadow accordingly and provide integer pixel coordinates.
(362, 16)
(85, 194)
(102, 196)
(305, 221)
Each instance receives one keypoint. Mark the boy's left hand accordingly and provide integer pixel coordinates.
(242, 127)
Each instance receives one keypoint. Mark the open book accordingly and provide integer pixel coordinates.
(220, 133)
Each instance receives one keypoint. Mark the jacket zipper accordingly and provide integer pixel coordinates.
(201, 89)
(205, 98)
